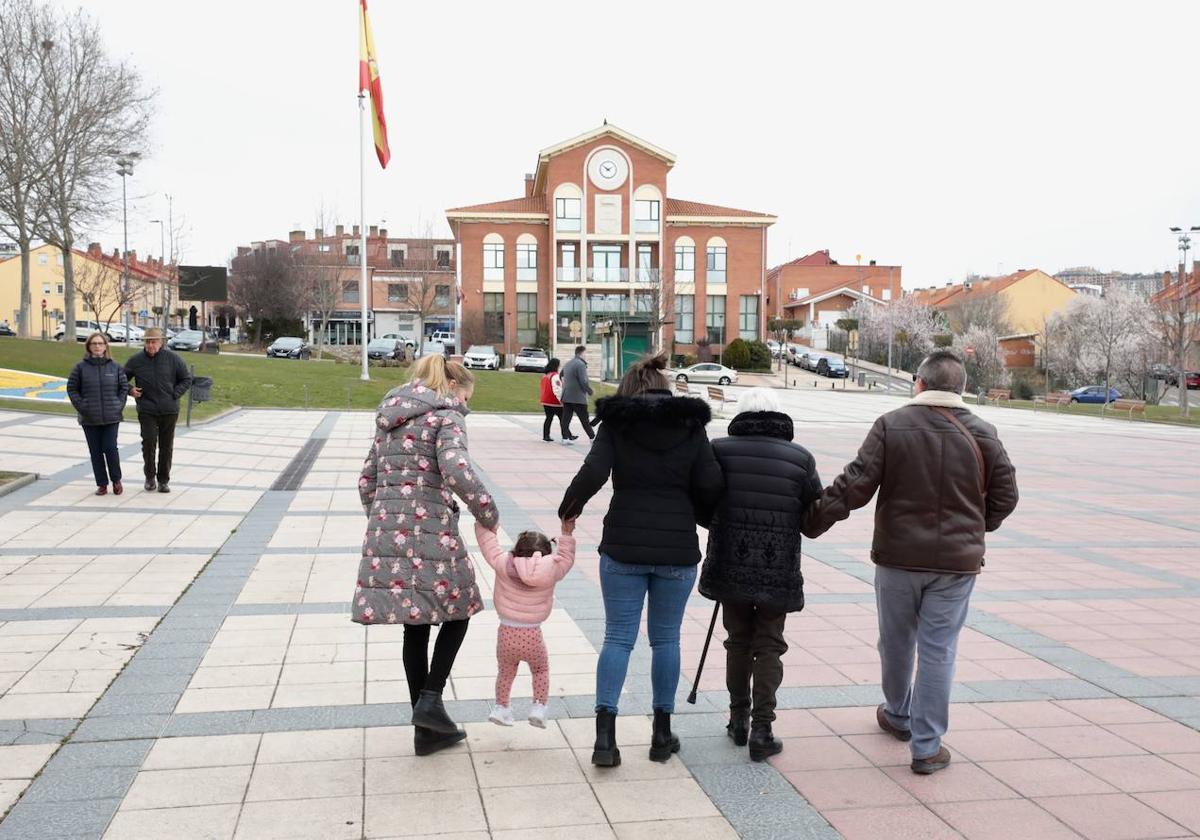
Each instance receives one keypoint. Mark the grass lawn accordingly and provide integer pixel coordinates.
(260, 382)
(6, 477)
(1154, 413)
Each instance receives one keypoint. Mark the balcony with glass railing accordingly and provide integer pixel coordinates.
(645, 225)
(527, 274)
(647, 275)
(714, 276)
(607, 275)
(566, 224)
(567, 275)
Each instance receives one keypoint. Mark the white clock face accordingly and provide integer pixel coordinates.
(608, 170)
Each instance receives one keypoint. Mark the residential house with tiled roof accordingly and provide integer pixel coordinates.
(1030, 296)
(597, 247)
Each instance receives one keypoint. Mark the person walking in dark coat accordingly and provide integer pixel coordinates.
(575, 392)
(98, 388)
(665, 481)
(160, 378)
(415, 569)
(753, 561)
(944, 481)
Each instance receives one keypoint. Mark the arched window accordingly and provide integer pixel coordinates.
(714, 266)
(493, 257)
(647, 209)
(568, 208)
(527, 257)
(685, 260)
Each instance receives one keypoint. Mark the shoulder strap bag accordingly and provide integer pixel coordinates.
(949, 415)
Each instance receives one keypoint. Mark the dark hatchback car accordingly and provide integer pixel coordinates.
(287, 347)
(833, 368)
(385, 348)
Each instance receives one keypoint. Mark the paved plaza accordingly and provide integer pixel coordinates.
(183, 665)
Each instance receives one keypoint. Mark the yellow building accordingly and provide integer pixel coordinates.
(97, 283)
(1030, 296)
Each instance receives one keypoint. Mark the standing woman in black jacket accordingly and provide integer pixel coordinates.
(98, 388)
(665, 481)
(753, 562)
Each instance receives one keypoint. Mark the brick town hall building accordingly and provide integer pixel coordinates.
(597, 248)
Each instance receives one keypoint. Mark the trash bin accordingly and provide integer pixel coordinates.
(202, 388)
(862, 380)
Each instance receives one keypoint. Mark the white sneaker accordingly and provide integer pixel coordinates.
(567, 442)
(537, 715)
(501, 715)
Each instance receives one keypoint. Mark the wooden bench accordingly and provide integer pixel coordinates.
(1129, 406)
(1054, 398)
(682, 388)
(716, 394)
(995, 395)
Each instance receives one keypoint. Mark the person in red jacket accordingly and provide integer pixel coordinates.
(551, 397)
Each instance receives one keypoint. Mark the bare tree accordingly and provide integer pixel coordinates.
(264, 286)
(989, 311)
(1112, 324)
(93, 107)
(102, 292)
(655, 303)
(420, 296)
(979, 348)
(1175, 322)
(22, 129)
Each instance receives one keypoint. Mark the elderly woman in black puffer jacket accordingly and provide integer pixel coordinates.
(753, 561)
(98, 389)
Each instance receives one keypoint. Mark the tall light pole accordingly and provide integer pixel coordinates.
(125, 169)
(162, 264)
(1181, 323)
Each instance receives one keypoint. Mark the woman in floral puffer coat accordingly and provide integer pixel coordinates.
(415, 570)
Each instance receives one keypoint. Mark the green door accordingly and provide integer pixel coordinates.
(633, 348)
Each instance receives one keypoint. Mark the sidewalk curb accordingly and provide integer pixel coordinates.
(17, 484)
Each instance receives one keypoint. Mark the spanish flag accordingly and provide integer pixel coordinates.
(368, 80)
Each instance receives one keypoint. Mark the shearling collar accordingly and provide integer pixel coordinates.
(762, 423)
(942, 399)
(657, 407)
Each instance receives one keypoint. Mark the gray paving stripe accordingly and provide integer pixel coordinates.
(60, 613)
(36, 730)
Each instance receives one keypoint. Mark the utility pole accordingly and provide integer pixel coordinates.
(125, 169)
(891, 330)
(1181, 316)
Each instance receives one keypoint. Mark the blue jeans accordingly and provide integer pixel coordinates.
(625, 587)
(920, 617)
(106, 458)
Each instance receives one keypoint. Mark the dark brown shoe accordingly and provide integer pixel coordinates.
(886, 725)
(927, 766)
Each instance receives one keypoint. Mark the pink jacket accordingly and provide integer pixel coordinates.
(524, 591)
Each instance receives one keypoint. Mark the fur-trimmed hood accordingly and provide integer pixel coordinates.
(762, 423)
(655, 419)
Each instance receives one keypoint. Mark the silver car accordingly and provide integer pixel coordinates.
(707, 372)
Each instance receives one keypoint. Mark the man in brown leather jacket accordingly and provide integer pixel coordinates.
(944, 480)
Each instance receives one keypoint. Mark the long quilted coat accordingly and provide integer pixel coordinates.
(415, 568)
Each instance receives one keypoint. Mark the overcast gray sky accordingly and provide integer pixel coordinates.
(945, 137)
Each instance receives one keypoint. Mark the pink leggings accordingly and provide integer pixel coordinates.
(515, 645)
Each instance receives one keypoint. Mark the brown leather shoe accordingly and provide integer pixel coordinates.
(102, 490)
(117, 488)
(886, 725)
(927, 766)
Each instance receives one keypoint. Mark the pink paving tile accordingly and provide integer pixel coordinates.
(960, 782)
(819, 753)
(1110, 710)
(1046, 777)
(1027, 713)
(855, 720)
(1082, 741)
(1165, 737)
(798, 723)
(1181, 806)
(1139, 773)
(1188, 761)
(1026, 669)
(994, 745)
(855, 788)
(882, 750)
(1111, 817)
(996, 820)
(905, 822)
(973, 716)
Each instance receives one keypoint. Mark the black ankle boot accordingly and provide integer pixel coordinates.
(431, 714)
(605, 753)
(763, 743)
(427, 742)
(739, 727)
(663, 743)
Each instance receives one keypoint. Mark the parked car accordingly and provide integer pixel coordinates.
(288, 347)
(433, 348)
(774, 346)
(82, 330)
(707, 372)
(407, 340)
(832, 367)
(810, 361)
(116, 332)
(1094, 394)
(531, 358)
(482, 356)
(792, 355)
(1192, 377)
(385, 348)
(6, 331)
(188, 340)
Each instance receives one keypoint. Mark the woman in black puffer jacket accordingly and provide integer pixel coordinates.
(98, 388)
(753, 562)
(665, 482)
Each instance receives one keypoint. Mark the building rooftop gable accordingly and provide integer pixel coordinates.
(682, 207)
(525, 205)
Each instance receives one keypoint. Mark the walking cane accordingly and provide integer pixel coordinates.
(691, 698)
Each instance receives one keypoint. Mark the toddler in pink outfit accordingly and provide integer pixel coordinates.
(523, 597)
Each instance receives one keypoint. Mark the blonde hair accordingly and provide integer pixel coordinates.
(440, 375)
(87, 345)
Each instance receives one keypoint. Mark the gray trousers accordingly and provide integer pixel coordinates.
(920, 617)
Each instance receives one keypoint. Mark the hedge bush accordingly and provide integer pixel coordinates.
(760, 356)
(737, 355)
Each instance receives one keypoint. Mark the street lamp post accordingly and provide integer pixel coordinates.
(125, 169)
(162, 240)
(1185, 244)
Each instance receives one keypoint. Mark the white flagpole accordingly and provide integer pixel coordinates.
(363, 291)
